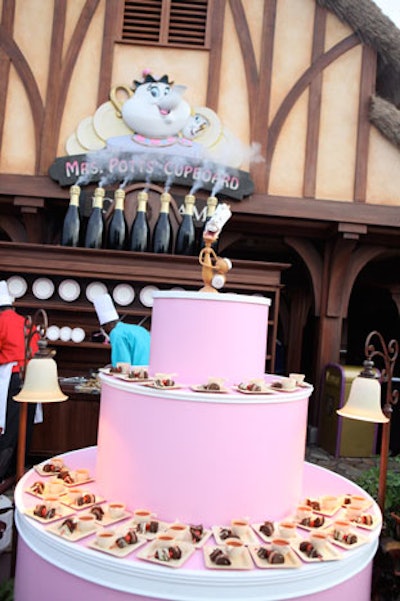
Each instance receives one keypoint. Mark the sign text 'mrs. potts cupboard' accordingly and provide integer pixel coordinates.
(107, 168)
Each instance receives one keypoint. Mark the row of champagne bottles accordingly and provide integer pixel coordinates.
(117, 235)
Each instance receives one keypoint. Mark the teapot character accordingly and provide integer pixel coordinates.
(156, 109)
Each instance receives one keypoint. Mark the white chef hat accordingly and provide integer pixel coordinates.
(105, 309)
(5, 298)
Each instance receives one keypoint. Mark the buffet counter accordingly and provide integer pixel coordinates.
(49, 566)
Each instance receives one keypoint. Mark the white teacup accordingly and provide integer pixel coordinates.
(359, 501)
(342, 527)
(288, 383)
(105, 538)
(287, 529)
(55, 486)
(329, 502)
(75, 493)
(234, 547)
(51, 502)
(240, 527)
(85, 522)
(116, 510)
(298, 378)
(353, 511)
(319, 540)
(180, 532)
(303, 511)
(164, 540)
(281, 545)
(142, 516)
(81, 474)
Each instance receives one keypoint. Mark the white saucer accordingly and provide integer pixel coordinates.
(17, 286)
(43, 288)
(146, 295)
(78, 335)
(69, 290)
(123, 294)
(53, 333)
(65, 333)
(94, 289)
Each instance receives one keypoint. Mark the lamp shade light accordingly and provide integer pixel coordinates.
(364, 402)
(41, 383)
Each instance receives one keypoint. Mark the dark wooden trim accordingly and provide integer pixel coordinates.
(7, 21)
(261, 99)
(367, 88)
(254, 207)
(314, 107)
(51, 134)
(318, 210)
(146, 267)
(313, 261)
(112, 17)
(8, 45)
(214, 69)
(291, 98)
(248, 54)
(51, 114)
(30, 185)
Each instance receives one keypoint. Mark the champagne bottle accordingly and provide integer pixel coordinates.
(72, 220)
(140, 232)
(212, 202)
(95, 228)
(118, 230)
(186, 237)
(162, 234)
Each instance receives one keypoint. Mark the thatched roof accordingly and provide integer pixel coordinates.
(374, 28)
(386, 117)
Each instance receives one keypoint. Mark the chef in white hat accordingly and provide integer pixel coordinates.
(12, 359)
(129, 343)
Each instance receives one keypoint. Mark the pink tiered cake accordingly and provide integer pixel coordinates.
(195, 456)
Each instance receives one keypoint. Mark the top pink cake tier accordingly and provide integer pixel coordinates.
(197, 335)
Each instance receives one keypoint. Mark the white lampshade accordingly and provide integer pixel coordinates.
(364, 402)
(41, 383)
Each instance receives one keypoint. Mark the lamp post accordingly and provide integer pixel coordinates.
(40, 380)
(364, 402)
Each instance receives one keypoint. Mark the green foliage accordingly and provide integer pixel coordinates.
(369, 481)
(7, 590)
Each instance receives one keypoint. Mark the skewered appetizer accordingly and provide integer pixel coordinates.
(220, 558)
(270, 555)
(44, 512)
(86, 499)
(308, 549)
(267, 528)
(168, 553)
(197, 532)
(38, 487)
(313, 522)
(130, 538)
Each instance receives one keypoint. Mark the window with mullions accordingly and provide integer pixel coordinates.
(166, 22)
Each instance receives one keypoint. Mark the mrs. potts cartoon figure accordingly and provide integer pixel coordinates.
(156, 112)
(214, 268)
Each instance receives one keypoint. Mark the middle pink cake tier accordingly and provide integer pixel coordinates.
(201, 457)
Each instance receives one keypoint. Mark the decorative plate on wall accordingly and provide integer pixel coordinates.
(17, 286)
(94, 289)
(123, 294)
(146, 295)
(43, 288)
(69, 290)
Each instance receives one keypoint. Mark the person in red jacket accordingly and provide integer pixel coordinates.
(12, 362)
